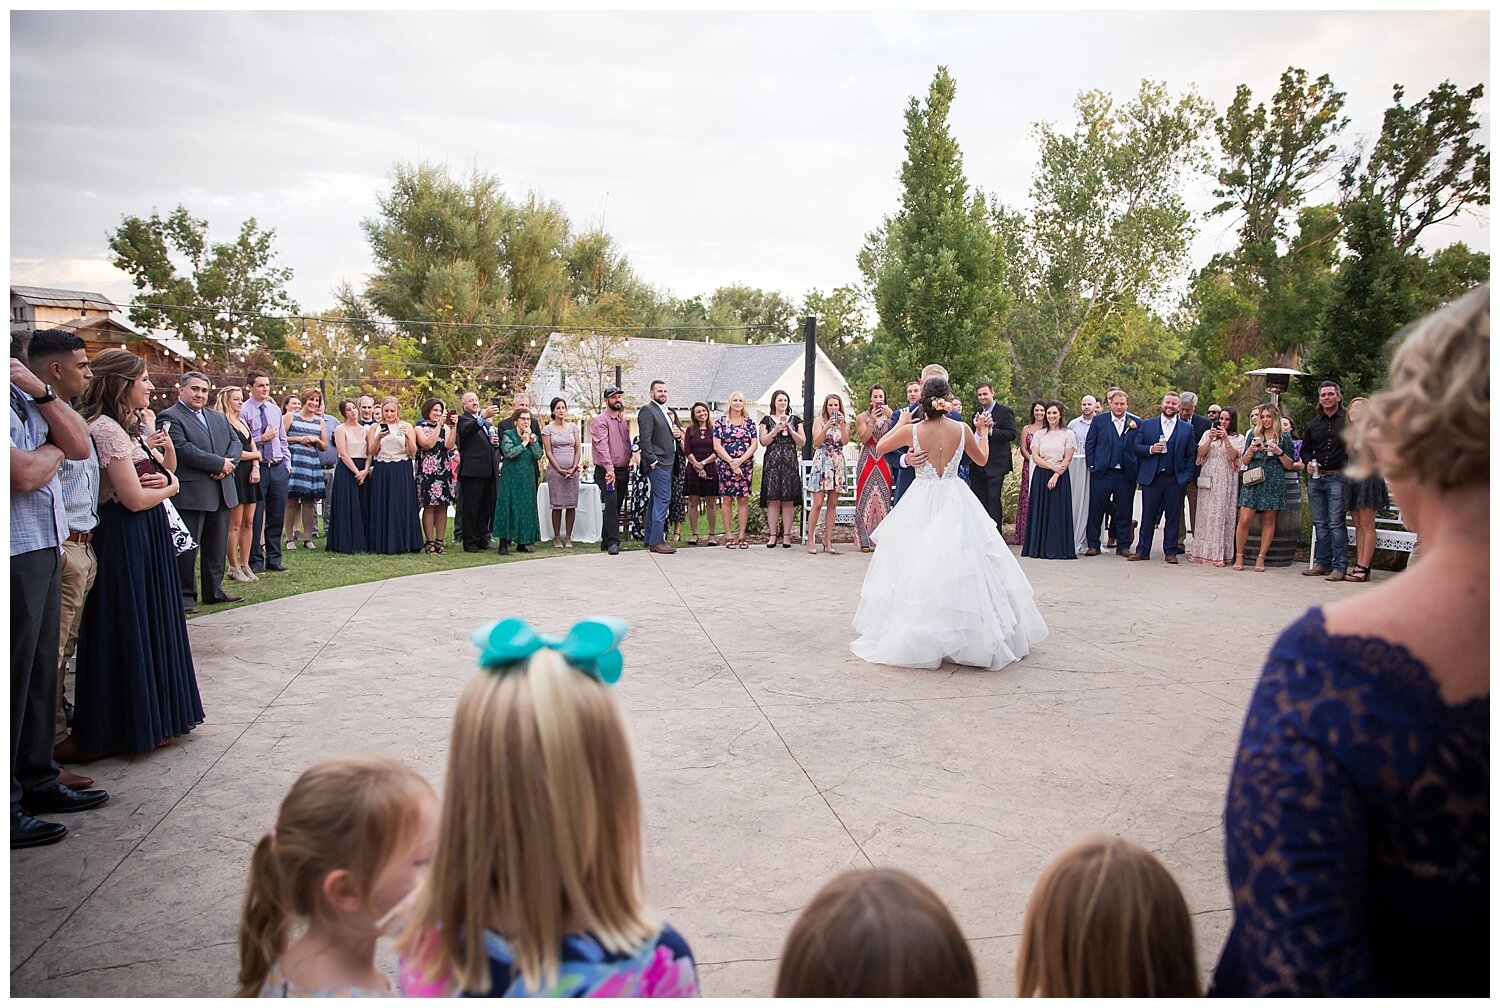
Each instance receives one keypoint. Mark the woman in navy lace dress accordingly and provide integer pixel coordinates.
(1357, 821)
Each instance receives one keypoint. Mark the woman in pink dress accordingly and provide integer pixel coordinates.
(1219, 455)
(1038, 422)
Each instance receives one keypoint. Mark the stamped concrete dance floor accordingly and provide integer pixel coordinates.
(769, 757)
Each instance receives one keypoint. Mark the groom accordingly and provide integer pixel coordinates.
(912, 460)
(1164, 450)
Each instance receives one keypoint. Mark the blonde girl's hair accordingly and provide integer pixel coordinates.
(357, 813)
(114, 373)
(744, 406)
(1269, 410)
(1438, 391)
(876, 933)
(541, 829)
(1106, 920)
(232, 416)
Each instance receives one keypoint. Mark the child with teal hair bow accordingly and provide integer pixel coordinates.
(536, 889)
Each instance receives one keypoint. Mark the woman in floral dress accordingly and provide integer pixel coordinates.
(437, 436)
(872, 487)
(1038, 422)
(1219, 455)
(735, 444)
(826, 481)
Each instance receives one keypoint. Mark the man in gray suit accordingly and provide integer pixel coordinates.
(658, 436)
(207, 453)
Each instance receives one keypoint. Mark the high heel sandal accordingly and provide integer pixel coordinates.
(743, 543)
(1239, 563)
(1358, 573)
(771, 542)
(437, 547)
(1260, 563)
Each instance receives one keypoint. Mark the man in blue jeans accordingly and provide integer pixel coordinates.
(658, 436)
(1324, 452)
(263, 417)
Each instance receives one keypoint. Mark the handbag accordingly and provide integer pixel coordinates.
(1205, 482)
(1250, 477)
(182, 539)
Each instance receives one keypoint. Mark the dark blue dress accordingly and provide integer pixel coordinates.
(395, 525)
(1357, 827)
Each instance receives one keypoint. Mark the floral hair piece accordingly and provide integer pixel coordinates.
(592, 646)
(940, 405)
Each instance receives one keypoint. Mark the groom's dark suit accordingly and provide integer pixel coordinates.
(206, 497)
(1163, 478)
(1111, 476)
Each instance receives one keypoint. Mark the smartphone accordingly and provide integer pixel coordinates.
(166, 426)
(385, 428)
(495, 401)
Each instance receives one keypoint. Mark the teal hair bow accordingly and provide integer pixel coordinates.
(592, 646)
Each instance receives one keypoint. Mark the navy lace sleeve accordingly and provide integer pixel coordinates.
(1356, 827)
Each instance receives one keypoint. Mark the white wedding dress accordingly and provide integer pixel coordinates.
(942, 585)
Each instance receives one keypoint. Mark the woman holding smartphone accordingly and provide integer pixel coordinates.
(1219, 460)
(437, 436)
(1268, 450)
(350, 518)
(392, 442)
(872, 487)
(781, 476)
(826, 481)
(136, 686)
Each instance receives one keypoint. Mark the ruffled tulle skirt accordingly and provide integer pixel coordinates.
(943, 586)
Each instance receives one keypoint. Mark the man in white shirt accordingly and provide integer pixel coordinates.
(1079, 425)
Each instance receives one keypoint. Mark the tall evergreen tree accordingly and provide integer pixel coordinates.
(935, 267)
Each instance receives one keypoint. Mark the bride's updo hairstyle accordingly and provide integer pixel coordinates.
(933, 388)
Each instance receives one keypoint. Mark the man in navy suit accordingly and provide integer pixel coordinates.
(1112, 465)
(1165, 453)
(1200, 424)
(895, 460)
(207, 453)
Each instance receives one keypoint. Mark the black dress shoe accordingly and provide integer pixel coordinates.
(28, 832)
(280, 568)
(614, 549)
(222, 599)
(472, 549)
(1091, 551)
(523, 548)
(62, 798)
(504, 550)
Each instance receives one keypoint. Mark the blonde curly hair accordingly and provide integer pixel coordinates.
(1438, 393)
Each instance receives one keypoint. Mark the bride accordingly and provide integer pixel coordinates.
(943, 586)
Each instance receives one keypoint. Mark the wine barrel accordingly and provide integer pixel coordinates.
(1288, 534)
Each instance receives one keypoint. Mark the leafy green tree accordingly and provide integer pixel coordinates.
(1108, 230)
(1272, 158)
(1424, 169)
(843, 331)
(935, 267)
(768, 316)
(214, 302)
(1447, 274)
(436, 242)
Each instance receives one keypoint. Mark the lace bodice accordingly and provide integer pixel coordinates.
(927, 470)
(111, 442)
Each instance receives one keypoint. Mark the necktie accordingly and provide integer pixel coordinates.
(201, 418)
(264, 424)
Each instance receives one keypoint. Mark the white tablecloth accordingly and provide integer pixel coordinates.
(588, 526)
(1078, 477)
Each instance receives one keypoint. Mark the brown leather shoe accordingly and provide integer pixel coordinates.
(1172, 559)
(1137, 556)
(77, 782)
(662, 548)
(1090, 552)
(1315, 571)
(67, 751)
(1337, 575)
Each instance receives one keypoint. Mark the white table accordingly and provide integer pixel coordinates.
(1078, 476)
(588, 526)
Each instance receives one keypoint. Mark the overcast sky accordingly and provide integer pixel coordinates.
(715, 148)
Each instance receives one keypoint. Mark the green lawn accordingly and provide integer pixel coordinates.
(313, 570)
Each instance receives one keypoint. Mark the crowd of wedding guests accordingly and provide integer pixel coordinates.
(1356, 818)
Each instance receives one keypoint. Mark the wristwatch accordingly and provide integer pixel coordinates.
(42, 400)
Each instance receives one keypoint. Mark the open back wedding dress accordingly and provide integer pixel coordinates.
(942, 585)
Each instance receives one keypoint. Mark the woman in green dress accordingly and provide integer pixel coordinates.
(515, 498)
(1268, 450)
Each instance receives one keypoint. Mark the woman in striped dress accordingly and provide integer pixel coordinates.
(305, 442)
